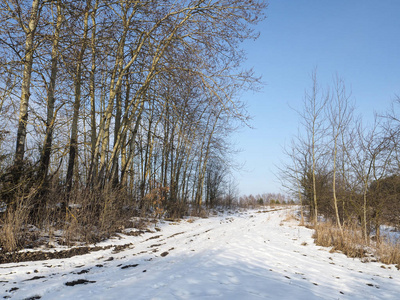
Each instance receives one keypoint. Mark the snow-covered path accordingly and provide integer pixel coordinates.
(247, 255)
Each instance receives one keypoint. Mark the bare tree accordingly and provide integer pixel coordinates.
(51, 114)
(16, 11)
(135, 95)
(292, 172)
(364, 153)
(313, 122)
(340, 113)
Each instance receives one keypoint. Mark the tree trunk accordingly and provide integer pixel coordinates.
(93, 135)
(334, 188)
(73, 145)
(25, 88)
(45, 159)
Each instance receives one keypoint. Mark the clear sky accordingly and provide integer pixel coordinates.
(357, 39)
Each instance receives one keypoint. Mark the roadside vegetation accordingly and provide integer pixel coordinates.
(117, 109)
(345, 173)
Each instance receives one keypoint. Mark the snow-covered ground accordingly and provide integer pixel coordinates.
(390, 234)
(246, 255)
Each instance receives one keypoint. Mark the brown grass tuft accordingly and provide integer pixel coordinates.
(350, 243)
(290, 217)
(94, 215)
(14, 229)
(388, 253)
(353, 244)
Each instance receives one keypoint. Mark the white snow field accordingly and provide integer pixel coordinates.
(245, 255)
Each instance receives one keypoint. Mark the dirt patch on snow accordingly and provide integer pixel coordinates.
(43, 255)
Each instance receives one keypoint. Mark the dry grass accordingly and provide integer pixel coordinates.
(177, 210)
(13, 226)
(86, 216)
(353, 244)
(388, 253)
(81, 216)
(94, 215)
(290, 217)
(350, 243)
(199, 212)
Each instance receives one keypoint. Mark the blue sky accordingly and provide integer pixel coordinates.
(357, 39)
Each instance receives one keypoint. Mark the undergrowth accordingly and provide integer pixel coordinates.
(352, 243)
(82, 216)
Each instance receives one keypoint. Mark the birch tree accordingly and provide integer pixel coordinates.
(51, 114)
(312, 118)
(340, 113)
(17, 12)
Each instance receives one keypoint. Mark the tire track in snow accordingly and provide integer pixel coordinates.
(248, 255)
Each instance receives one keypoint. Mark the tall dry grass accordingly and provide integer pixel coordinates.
(352, 243)
(14, 229)
(96, 214)
(388, 253)
(83, 216)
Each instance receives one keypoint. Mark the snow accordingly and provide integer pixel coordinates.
(245, 255)
(390, 234)
(3, 207)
